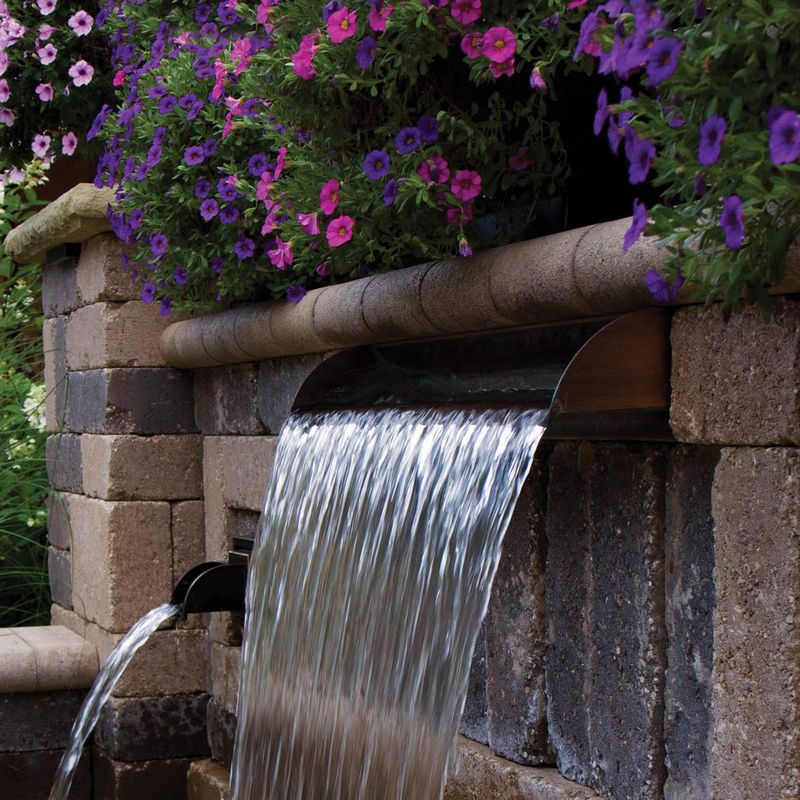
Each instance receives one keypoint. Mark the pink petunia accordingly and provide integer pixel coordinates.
(220, 76)
(281, 255)
(271, 220)
(81, 73)
(503, 68)
(44, 91)
(339, 231)
(378, 15)
(309, 223)
(466, 12)
(40, 145)
(47, 54)
(46, 6)
(520, 161)
(329, 197)
(81, 23)
(5, 92)
(538, 83)
(3, 61)
(466, 185)
(280, 162)
(7, 116)
(265, 184)
(46, 31)
(119, 77)
(342, 25)
(227, 129)
(459, 216)
(434, 170)
(499, 44)
(472, 44)
(240, 54)
(302, 60)
(69, 141)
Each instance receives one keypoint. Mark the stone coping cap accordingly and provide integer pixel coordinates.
(74, 217)
(46, 658)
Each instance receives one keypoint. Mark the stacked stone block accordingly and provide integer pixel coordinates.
(126, 513)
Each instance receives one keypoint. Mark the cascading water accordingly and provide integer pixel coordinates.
(102, 687)
(380, 538)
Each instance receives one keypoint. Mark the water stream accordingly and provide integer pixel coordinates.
(102, 687)
(380, 537)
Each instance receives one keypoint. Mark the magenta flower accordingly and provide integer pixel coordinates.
(519, 161)
(44, 92)
(329, 197)
(5, 92)
(148, 293)
(499, 44)
(339, 231)
(376, 165)
(309, 223)
(732, 221)
(323, 270)
(80, 23)
(295, 293)
(342, 25)
(459, 215)
(281, 254)
(642, 154)
(209, 209)
(46, 6)
(378, 15)
(662, 59)
(434, 170)
(40, 145)
(503, 68)
(465, 12)
(712, 135)
(638, 224)
(302, 60)
(47, 54)
(81, 73)
(472, 45)
(466, 185)
(784, 138)
(408, 140)
(69, 142)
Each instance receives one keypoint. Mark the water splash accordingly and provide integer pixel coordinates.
(102, 687)
(380, 538)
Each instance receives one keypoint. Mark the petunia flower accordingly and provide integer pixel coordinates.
(148, 293)
(662, 60)
(784, 138)
(428, 127)
(378, 15)
(165, 309)
(466, 185)
(46, 6)
(732, 221)
(5, 92)
(642, 154)
(329, 197)
(181, 276)
(244, 248)
(159, 244)
(40, 145)
(281, 254)
(408, 140)
(660, 287)
(209, 209)
(376, 165)
(7, 116)
(309, 223)
(638, 224)
(228, 215)
(69, 142)
(193, 155)
(81, 73)
(47, 54)
(472, 45)
(465, 12)
(712, 136)
(389, 192)
(520, 161)
(537, 82)
(498, 44)
(81, 23)
(459, 215)
(342, 25)
(366, 51)
(45, 32)
(503, 68)
(434, 170)
(295, 293)
(339, 231)
(44, 91)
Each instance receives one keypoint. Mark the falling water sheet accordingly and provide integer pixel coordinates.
(380, 537)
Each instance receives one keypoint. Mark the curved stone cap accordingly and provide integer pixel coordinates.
(75, 217)
(578, 273)
(45, 659)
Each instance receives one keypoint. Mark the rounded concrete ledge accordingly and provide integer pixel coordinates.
(578, 273)
(75, 217)
(45, 659)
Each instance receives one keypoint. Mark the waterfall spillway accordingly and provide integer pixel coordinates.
(381, 534)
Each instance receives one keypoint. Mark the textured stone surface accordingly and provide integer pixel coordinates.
(278, 382)
(100, 274)
(225, 400)
(756, 694)
(54, 335)
(148, 728)
(114, 335)
(208, 781)
(224, 667)
(605, 591)
(478, 774)
(59, 531)
(32, 721)
(221, 733)
(475, 720)
(735, 381)
(142, 467)
(121, 560)
(29, 776)
(516, 634)
(59, 574)
(63, 462)
(140, 780)
(188, 537)
(60, 288)
(142, 401)
(689, 551)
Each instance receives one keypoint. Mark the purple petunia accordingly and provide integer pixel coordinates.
(732, 221)
(366, 51)
(136, 218)
(202, 188)
(784, 138)
(662, 59)
(228, 215)
(157, 92)
(159, 135)
(227, 190)
(257, 164)
(193, 155)
(602, 113)
(428, 128)
(202, 12)
(638, 224)
(408, 140)
(166, 306)
(244, 248)
(390, 192)
(227, 15)
(712, 134)
(148, 293)
(159, 244)
(181, 276)
(186, 101)
(194, 111)
(210, 147)
(153, 156)
(331, 8)
(641, 155)
(209, 209)
(295, 293)
(376, 165)
(167, 104)
(660, 287)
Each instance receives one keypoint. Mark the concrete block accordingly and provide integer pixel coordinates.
(59, 573)
(164, 779)
(121, 560)
(31, 721)
(114, 335)
(141, 401)
(516, 633)
(29, 776)
(188, 537)
(100, 274)
(218, 340)
(221, 733)
(59, 528)
(225, 400)
(17, 665)
(279, 380)
(150, 728)
(225, 665)
(475, 719)
(54, 335)
(208, 781)
(60, 288)
(756, 694)
(735, 381)
(63, 462)
(338, 314)
(689, 550)
(142, 467)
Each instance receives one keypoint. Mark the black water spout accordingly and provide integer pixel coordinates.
(212, 586)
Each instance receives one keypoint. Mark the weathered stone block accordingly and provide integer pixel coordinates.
(100, 275)
(29, 776)
(735, 381)
(516, 633)
(208, 781)
(225, 400)
(60, 288)
(225, 628)
(689, 549)
(64, 463)
(150, 728)
(141, 401)
(142, 467)
(54, 335)
(756, 694)
(140, 780)
(32, 721)
(221, 733)
(59, 573)
(225, 664)
(188, 536)
(114, 335)
(278, 382)
(59, 528)
(121, 560)
(475, 719)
